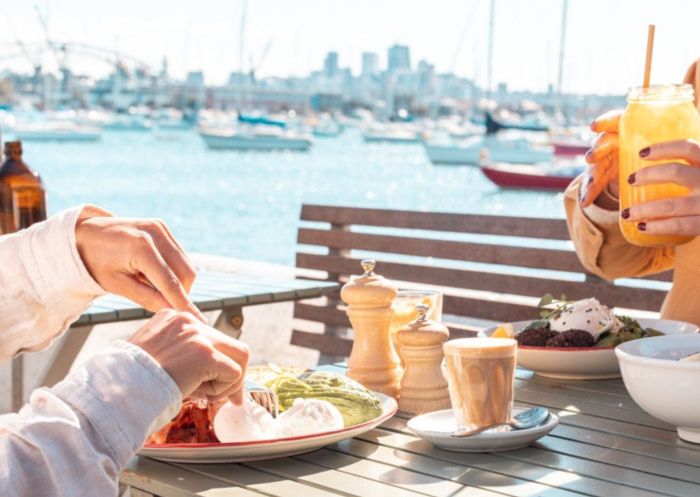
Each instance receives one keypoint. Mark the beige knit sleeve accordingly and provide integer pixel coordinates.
(600, 246)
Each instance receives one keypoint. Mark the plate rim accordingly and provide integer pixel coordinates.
(392, 410)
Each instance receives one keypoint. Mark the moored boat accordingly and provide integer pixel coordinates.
(390, 134)
(328, 129)
(495, 124)
(534, 177)
(566, 149)
(63, 131)
(129, 122)
(254, 139)
(472, 151)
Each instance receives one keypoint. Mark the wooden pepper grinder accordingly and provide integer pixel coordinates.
(423, 386)
(373, 361)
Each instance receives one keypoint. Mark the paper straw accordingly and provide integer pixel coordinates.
(650, 50)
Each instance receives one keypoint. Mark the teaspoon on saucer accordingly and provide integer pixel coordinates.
(525, 419)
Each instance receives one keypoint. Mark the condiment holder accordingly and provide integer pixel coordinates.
(373, 361)
(423, 385)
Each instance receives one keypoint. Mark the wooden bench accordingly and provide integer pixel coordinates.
(490, 268)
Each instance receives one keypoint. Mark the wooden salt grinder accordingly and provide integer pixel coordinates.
(373, 361)
(423, 386)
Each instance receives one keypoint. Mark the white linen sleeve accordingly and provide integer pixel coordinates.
(75, 438)
(44, 285)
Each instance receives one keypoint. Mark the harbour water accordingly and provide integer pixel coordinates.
(246, 204)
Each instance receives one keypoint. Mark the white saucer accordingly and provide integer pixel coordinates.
(437, 428)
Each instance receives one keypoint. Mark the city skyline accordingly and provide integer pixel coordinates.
(604, 46)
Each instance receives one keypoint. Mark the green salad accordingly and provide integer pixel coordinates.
(356, 403)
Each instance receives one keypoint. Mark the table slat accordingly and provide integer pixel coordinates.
(252, 479)
(166, 480)
(525, 470)
(425, 470)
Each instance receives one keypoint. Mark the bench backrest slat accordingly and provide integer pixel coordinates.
(491, 268)
(554, 229)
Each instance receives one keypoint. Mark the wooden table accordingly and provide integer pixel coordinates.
(604, 446)
(212, 291)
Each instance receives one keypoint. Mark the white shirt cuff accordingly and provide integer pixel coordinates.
(124, 393)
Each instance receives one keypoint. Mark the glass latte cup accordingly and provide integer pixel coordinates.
(655, 114)
(480, 375)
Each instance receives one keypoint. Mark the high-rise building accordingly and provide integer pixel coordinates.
(370, 64)
(426, 76)
(330, 65)
(195, 79)
(399, 58)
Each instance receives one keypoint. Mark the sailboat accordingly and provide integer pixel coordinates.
(254, 137)
(55, 130)
(540, 177)
(495, 148)
(254, 132)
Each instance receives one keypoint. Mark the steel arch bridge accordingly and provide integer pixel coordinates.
(63, 52)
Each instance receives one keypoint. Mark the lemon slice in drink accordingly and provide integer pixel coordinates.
(504, 331)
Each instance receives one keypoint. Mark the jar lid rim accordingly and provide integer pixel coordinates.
(661, 92)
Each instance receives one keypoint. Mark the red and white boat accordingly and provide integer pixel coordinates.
(571, 142)
(570, 148)
(534, 177)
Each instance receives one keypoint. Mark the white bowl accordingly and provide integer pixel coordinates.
(661, 385)
(584, 363)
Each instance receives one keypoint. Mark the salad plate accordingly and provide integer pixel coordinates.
(264, 449)
(583, 363)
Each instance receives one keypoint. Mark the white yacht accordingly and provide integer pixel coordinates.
(497, 149)
(170, 120)
(391, 134)
(63, 131)
(129, 122)
(254, 138)
(328, 128)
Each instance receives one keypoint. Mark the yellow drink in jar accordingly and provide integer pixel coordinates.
(404, 307)
(656, 114)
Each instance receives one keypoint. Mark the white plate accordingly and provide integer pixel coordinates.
(437, 428)
(263, 449)
(584, 363)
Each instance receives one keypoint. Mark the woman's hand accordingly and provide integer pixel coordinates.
(603, 158)
(673, 216)
(202, 361)
(138, 259)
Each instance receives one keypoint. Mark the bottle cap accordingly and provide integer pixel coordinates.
(423, 331)
(13, 150)
(369, 289)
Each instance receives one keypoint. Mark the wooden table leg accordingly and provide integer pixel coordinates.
(69, 349)
(230, 321)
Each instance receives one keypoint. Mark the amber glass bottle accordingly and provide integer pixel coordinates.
(22, 194)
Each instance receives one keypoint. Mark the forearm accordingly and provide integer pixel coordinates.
(44, 285)
(75, 438)
(599, 243)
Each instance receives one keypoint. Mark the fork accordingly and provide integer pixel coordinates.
(262, 396)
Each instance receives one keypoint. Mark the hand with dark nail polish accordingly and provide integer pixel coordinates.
(603, 160)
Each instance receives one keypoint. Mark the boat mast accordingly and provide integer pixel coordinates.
(489, 70)
(244, 8)
(562, 44)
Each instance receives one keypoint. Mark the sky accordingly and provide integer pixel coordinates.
(604, 45)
